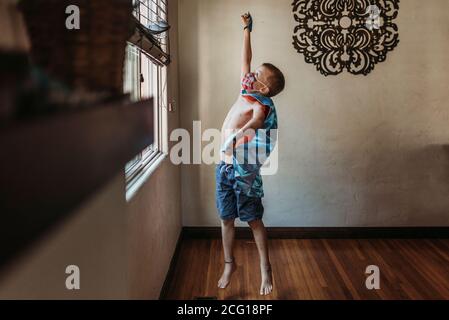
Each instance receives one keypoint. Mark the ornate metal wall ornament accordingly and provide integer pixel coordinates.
(345, 34)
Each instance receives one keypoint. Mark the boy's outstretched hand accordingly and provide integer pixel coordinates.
(247, 21)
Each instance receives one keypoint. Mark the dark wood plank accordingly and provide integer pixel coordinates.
(326, 232)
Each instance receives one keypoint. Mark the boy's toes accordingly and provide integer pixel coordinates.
(265, 290)
(222, 284)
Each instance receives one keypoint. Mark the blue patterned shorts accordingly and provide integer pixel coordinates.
(231, 201)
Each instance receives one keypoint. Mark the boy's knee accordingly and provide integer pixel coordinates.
(255, 223)
(228, 222)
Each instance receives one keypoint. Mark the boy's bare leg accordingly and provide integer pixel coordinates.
(227, 233)
(260, 236)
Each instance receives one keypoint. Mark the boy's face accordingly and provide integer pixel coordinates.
(262, 74)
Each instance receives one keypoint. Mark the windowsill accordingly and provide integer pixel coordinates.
(157, 161)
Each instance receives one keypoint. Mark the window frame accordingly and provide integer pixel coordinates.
(155, 76)
(139, 169)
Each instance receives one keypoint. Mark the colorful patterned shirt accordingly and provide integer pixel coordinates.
(250, 156)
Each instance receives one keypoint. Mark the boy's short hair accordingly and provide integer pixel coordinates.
(276, 79)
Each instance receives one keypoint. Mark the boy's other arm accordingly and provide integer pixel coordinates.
(247, 132)
(246, 50)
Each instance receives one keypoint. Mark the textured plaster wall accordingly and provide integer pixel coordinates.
(354, 150)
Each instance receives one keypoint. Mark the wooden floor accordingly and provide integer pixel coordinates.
(316, 269)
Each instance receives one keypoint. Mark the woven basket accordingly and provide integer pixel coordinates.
(90, 58)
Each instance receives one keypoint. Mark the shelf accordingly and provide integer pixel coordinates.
(51, 165)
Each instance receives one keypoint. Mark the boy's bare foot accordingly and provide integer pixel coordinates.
(266, 285)
(229, 269)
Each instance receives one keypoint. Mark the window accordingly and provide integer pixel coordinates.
(144, 77)
(153, 14)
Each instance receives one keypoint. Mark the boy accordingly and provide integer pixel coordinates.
(238, 181)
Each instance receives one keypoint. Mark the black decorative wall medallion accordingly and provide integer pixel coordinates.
(345, 34)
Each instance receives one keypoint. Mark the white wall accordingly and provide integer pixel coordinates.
(354, 150)
(154, 214)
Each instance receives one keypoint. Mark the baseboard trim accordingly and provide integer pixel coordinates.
(171, 268)
(324, 232)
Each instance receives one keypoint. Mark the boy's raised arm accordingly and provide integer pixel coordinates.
(246, 51)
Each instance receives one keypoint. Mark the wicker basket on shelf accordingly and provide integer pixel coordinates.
(89, 59)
